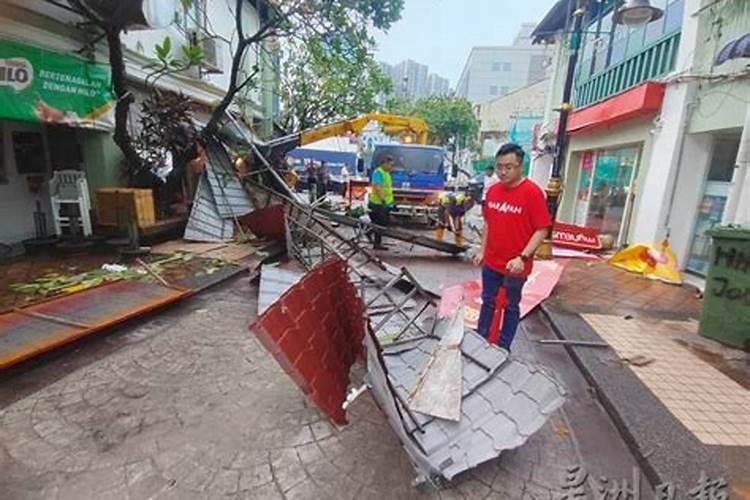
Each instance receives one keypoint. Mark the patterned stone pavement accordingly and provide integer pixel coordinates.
(188, 405)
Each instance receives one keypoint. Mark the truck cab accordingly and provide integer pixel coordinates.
(418, 178)
(415, 167)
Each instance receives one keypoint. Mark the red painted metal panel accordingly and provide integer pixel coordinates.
(266, 222)
(642, 100)
(316, 332)
(41, 327)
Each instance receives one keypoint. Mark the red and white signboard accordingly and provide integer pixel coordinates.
(578, 237)
(539, 286)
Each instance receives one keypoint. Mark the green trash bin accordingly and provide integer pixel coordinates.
(726, 306)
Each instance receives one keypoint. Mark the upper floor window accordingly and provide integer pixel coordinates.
(501, 66)
(192, 15)
(606, 44)
(493, 89)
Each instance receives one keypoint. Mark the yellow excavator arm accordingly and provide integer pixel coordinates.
(392, 125)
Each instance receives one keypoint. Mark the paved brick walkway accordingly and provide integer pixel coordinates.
(682, 398)
(715, 408)
(189, 405)
(595, 286)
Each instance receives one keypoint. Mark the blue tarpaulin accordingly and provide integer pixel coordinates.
(335, 160)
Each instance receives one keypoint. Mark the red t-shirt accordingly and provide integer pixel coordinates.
(511, 216)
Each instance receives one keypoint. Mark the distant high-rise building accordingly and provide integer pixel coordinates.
(386, 68)
(412, 80)
(491, 72)
(437, 85)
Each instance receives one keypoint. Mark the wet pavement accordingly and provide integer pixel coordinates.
(684, 404)
(187, 404)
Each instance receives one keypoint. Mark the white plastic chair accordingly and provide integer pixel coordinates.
(69, 187)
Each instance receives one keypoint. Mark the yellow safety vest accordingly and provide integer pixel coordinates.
(386, 186)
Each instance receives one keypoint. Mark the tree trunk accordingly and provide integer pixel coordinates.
(124, 98)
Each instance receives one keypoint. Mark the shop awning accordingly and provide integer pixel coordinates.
(640, 101)
(38, 85)
(736, 49)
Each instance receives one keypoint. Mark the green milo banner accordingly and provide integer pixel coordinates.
(43, 86)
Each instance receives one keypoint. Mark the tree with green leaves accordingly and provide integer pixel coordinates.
(322, 81)
(340, 26)
(450, 119)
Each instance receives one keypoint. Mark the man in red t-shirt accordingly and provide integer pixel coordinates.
(516, 222)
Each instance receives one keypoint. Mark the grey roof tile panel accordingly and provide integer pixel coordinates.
(524, 412)
(377, 380)
(501, 428)
(416, 358)
(490, 356)
(480, 447)
(432, 438)
(472, 343)
(475, 405)
(502, 408)
(273, 283)
(498, 392)
(537, 388)
(473, 375)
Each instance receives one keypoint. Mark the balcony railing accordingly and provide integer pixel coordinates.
(652, 62)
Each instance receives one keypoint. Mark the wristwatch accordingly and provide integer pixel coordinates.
(524, 257)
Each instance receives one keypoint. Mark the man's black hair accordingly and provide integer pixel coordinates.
(511, 149)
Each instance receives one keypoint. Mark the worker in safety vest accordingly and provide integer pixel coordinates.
(451, 210)
(381, 198)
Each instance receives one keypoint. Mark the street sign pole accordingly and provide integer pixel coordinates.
(554, 185)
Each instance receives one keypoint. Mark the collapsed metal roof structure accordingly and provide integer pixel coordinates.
(352, 303)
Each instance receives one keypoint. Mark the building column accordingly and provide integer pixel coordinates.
(651, 219)
(738, 203)
(689, 188)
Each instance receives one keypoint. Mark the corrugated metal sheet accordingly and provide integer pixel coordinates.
(38, 328)
(273, 283)
(219, 200)
(205, 223)
(231, 198)
(504, 402)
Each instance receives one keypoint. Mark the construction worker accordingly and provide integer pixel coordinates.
(381, 198)
(451, 210)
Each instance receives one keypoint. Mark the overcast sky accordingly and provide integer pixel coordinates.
(440, 33)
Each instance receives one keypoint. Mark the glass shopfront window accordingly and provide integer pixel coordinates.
(712, 204)
(603, 200)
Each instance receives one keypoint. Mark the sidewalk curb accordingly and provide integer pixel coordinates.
(665, 450)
